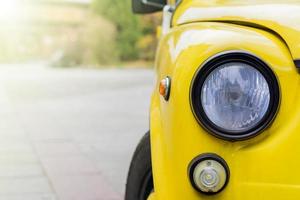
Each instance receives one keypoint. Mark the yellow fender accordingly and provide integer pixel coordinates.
(263, 168)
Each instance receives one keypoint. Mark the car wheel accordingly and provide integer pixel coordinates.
(139, 181)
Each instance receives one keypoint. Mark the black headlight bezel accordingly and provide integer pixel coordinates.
(207, 68)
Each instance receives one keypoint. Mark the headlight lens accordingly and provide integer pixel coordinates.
(235, 96)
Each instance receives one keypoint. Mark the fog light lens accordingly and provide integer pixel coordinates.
(209, 178)
(209, 173)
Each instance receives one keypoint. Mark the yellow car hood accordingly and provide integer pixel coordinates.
(280, 17)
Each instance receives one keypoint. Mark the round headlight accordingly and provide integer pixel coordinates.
(235, 96)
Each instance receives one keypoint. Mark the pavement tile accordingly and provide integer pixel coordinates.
(10, 124)
(29, 197)
(30, 185)
(70, 165)
(11, 146)
(8, 135)
(58, 148)
(18, 158)
(15, 170)
(42, 135)
(91, 187)
(35, 123)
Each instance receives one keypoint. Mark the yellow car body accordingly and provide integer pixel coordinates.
(265, 167)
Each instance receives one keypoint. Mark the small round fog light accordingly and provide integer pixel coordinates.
(209, 173)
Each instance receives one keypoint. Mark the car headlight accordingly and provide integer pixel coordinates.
(235, 95)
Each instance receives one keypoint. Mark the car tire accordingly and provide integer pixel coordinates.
(139, 181)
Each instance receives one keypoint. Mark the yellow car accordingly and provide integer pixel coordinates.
(225, 109)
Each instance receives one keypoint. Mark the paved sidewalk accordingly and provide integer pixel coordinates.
(68, 134)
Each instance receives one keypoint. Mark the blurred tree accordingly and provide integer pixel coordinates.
(100, 46)
(147, 43)
(90, 44)
(128, 26)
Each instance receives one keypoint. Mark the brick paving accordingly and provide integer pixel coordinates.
(68, 134)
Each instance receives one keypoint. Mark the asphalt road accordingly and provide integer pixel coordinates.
(69, 134)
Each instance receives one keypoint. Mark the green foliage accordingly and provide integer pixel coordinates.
(128, 26)
(93, 43)
(99, 39)
(147, 43)
(76, 35)
(73, 36)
